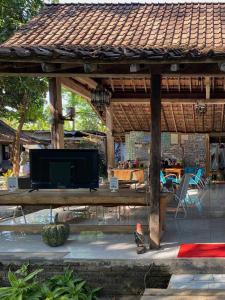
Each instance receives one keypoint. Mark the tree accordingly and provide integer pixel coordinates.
(86, 118)
(20, 98)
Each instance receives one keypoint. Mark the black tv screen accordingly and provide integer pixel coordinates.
(64, 168)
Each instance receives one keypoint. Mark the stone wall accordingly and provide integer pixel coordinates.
(115, 277)
(191, 148)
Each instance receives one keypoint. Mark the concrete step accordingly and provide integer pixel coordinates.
(183, 294)
(197, 281)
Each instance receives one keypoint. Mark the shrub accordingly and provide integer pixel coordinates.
(26, 286)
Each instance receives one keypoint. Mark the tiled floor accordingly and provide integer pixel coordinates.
(200, 281)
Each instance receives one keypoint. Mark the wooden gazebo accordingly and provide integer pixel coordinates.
(158, 60)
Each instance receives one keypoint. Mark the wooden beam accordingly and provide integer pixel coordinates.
(135, 116)
(194, 118)
(207, 87)
(145, 100)
(74, 228)
(126, 117)
(155, 161)
(77, 88)
(75, 197)
(165, 119)
(118, 122)
(110, 138)
(57, 130)
(182, 109)
(92, 84)
(173, 116)
(222, 118)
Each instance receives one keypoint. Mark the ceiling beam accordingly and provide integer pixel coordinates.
(92, 84)
(139, 101)
(76, 88)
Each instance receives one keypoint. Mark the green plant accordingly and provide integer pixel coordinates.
(73, 288)
(25, 286)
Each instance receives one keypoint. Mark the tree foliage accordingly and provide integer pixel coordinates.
(86, 118)
(21, 98)
(14, 13)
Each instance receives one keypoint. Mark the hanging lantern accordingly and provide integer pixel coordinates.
(200, 108)
(100, 98)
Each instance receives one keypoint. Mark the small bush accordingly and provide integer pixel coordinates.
(26, 286)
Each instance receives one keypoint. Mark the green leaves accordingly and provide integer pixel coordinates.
(25, 286)
(14, 13)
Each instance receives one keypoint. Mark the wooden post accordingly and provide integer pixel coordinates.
(155, 161)
(110, 138)
(57, 131)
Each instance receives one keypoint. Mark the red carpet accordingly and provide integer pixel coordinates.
(201, 250)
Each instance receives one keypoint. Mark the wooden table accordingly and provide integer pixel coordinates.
(177, 171)
(56, 198)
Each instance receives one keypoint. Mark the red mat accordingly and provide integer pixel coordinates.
(201, 250)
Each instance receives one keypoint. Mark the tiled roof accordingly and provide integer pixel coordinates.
(115, 31)
(7, 134)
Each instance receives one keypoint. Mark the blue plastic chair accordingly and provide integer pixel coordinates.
(196, 179)
(173, 177)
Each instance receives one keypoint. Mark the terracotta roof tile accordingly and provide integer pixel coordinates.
(146, 30)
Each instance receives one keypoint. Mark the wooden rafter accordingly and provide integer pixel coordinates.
(145, 116)
(112, 85)
(145, 85)
(213, 116)
(92, 84)
(194, 118)
(164, 116)
(174, 120)
(207, 87)
(118, 122)
(126, 117)
(135, 115)
(182, 109)
(222, 118)
(145, 100)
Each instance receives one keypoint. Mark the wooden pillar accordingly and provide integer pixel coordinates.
(155, 161)
(110, 138)
(57, 130)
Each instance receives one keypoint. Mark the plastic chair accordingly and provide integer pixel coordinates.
(186, 198)
(173, 177)
(181, 194)
(196, 179)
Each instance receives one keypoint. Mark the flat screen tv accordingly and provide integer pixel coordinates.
(64, 168)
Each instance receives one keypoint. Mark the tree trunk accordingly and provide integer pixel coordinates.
(16, 146)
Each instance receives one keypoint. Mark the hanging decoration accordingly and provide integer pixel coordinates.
(100, 98)
(200, 108)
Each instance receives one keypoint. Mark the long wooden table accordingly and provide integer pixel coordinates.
(102, 197)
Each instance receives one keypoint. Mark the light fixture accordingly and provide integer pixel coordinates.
(174, 68)
(100, 98)
(200, 108)
(69, 116)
